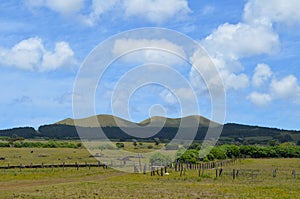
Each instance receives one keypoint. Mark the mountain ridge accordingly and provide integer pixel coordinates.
(166, 129)
(156, 121)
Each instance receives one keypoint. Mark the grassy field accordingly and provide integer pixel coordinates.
(109, 183)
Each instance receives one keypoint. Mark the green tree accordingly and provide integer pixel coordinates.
(190, 156)
(218, 153)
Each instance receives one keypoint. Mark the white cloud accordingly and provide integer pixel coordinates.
(215, 73)
(266, 12)
(64, 7)
(177, 95)
(287, 87)
(235, 41)
(30, 54)
(235, 81)
(61, 56)
(155, 51)
(99, 7)
(25, 55)
(253, 36)
(262, 74)
(156, 11)
(259, 99)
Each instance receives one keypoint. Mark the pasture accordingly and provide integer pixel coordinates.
(255, 180)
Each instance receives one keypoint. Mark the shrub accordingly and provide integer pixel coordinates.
(218, 153)
(188, 156)
(4, 144)
(119, 145)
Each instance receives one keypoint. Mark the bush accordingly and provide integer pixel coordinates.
(120, 145)
(218, 153)
(188, 156)
(50, 144)
(4, 144)
(195, 146)
(232, 151)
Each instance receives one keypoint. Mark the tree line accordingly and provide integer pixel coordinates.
(193, 155)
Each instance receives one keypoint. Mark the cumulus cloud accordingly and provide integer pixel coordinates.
(98, 8)
(262, 74)
(254, 35)
(286, 87)
(234, 81)
(65, 7)
(266, 12)
(24, 55)
(61, 56)
(30, 54)
(229, 43)
(154, 51)
(259, 99)
(235, 41)
(156, 11)
(215, 74)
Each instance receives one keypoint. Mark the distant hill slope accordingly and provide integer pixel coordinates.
(94, 121)
(176, 122)
(114, 127)
(156, 121)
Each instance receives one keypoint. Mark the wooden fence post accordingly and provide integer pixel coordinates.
(145, 169)
(220, 173)
(274, 173)
(294, 174)
(233, 174)
(181, 168)
(151, 171)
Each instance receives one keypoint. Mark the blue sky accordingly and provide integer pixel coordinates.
(255, 46)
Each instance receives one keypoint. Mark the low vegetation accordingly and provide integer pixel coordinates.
(36, 144)
(285, 150)
(103, 183)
